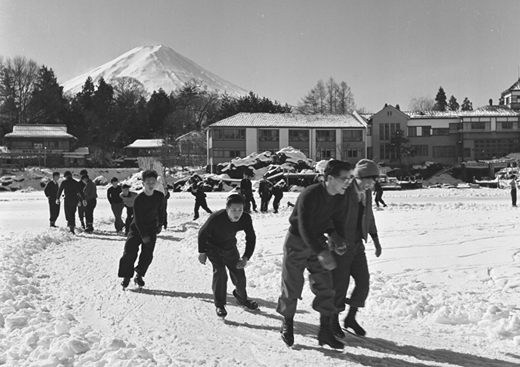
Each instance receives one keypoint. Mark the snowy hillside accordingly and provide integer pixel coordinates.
(155, 67)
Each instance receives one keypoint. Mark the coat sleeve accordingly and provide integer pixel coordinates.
(307, 207)
(60, 190)
(250, 237)
(204, 234)
(47, 189)
(81, 194)
(372, 229)
(160, 211)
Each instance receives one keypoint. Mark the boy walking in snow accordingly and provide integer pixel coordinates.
(246, 189)
(90, 192)
(81, 208)
(128, 199)
(277, 194)
(306, 247)
(51, 192)
(147, 224)
(378, 191)
(264, 190)
(200, 198)
(73, 194)
(349, 251)
(116, 203)
(218, 243)
(513, 186)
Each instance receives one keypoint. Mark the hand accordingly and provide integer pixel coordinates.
(84, 203)
(146, 239)
(326, 260)
(57, 201)
(202, 258)
(337, 243)
(241, 264)
(159, 229)
(377, 246)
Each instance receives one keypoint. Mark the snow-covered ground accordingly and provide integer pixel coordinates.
(445, 291)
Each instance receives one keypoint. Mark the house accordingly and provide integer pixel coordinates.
(317, 136)
(190, 149)
(40, 144)
(145, 148)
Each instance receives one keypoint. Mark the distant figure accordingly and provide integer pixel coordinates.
(246, 189)
(90, 192)
(128, 200)
(81, 208)
(166, 197)
(51, 192)
(73, 194)
(200, 198)
(116, 203)
(378, 192)
(265, 194)
(514, 188)
(277, 192)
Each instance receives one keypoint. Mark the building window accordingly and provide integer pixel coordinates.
(268, 135)
(389, 113)
(386, 152)
(228, 153)
(369, 131)
(444, 152)
(325, 154)
(326, 135)
(478, 126)
(440, 131)
(426, 130)
(352, 135)
(507, 125)
(387, 130)
(229, 134)
(352, 153)
(412, 131)
(298, 135)
(466, 152)
(420, 150)
(455, 126)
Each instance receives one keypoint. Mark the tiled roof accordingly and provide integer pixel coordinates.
(146, 143)
(288, 120)
(515, 86)
(486, 111)
(40, 131)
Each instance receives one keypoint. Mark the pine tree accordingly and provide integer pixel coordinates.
(440, 100)
(452, 104)
(47, 104)
(466, 105)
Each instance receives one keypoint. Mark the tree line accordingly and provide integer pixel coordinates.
(440, 103)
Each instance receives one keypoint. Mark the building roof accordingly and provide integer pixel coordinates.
(486, 111)
(40, 131)
(146, 143)
(191, 134)
(294, 120)
(515, 86)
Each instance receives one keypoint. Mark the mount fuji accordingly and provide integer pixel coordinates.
(155, 67)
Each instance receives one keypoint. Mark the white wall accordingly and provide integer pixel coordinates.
(339, 137)
(251, 140)
(284, 138)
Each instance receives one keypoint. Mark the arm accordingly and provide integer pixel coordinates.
(138, 217)
(47, 189)
(60, 190)
(160, 211)
(307, 207)
(81, 194)
(372, 229)
(250, 238)
(204, 234)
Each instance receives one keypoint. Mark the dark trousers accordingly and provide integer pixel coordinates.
(70, 211)
(265, 198)
(89, 211)
(276, 203)
(201, 203)
(133, 241)
(117, 209)
(298, 257)
(351, 265)
(379, 199)
(222, 259)
(54, 210)
(513, 197)
(165, 224)
(248, 201)
(129, 218)
(81, 212)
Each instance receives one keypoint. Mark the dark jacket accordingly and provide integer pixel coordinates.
(246, 187)
(72, 190)
(351, 215)
(90, 190)
(265, 188)
(196, 190)
(51, 190)
(114, 195)
(148, 212)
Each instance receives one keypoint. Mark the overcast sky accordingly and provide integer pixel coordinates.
(386, 51)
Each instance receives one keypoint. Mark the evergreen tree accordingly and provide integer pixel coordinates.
(452, 104)
(399, 145)
(158, 107)
(466, 105)
(440, 100)
(47, 104)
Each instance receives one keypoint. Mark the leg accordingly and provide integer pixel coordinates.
(359, 271)
(204, 206)
(146, 256)
(196, 210)
(320, 281)
(165, 224)
(252, 198)
(70, 212)
(341, 280)
(129, 219)
(81, 214)
(126, 263)
(219, 284)
(238, 276)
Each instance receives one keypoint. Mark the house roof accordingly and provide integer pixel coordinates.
(244, 119)
(515, 86)
(40, 131)
(146, 143)
(485, 111)
(195, 133)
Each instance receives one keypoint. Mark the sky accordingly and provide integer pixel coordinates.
(386, 51)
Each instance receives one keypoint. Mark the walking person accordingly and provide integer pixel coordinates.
(200, 198)
(305, 247)
(378, 192)
(277, 192)
(116, 203)
(264, 191)
(147, 224)
(51, 192)
(90, 192)
(81, 208)
(166, 198)
(218, 243)
(246, 189)
(73, 195)
(514, 190)
(349, 251)
(128, 200)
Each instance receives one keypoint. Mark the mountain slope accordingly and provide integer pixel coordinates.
(155, 67)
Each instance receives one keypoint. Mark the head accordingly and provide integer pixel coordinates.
(67, 174)
(125, 188)
(84, 178)
(56, 176)
(337, 176)
(149, 179)
(235, 207)
(366, 173)
(83, 172)
(114, 181)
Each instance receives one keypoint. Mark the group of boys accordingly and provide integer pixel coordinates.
(266, 190)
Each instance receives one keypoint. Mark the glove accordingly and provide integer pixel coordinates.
(337, 243)
(326, 260)
(202, 258)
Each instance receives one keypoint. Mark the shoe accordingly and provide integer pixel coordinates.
(125, 282)
(287, 331)
(250, 304)
(336, 327)
(89, 229)
(138, 280)
(195, 218)
(221, 311)
(82, 224)
(326, 337)
(71, 228)
(350, 322)
(53, 225)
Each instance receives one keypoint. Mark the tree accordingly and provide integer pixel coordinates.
(440, 100)
(47, 104)
(330, 98)
(158, 108)
(466, 105)
(423, 103)
(452, 104)
(399, 146)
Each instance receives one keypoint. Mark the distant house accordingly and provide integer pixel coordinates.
(41, 145)
(191, 149)
(145, 148)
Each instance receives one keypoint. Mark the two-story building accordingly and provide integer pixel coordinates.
(145, 148)
(317, 136)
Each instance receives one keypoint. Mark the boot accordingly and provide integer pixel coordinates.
(221, 311)
(82, 224)
(125, 282)
(53, 225)
(287, 331)
(350, 322)
(326, 336)
(336, 327)
(138, 280)
(71, 228)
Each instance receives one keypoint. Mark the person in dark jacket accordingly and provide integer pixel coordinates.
(513, 186)
(90, 192)
(218, 243)
(246, 189)
(128, 199)
(81, 208)
(51, 192)
(349, 250)
(73, 194)
(116, 203)
(378, 191)
(277, 192)
(200, 198)
(166, 197)
(305, 247)
(147, 224)
(264, 190)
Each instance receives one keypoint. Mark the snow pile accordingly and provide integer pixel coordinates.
(320, 166)
(34, 330)
(135, 182)
(444, 178)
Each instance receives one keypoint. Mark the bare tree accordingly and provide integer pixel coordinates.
(422, 103)
(346, 99)
(329, 98)
(128, 88)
